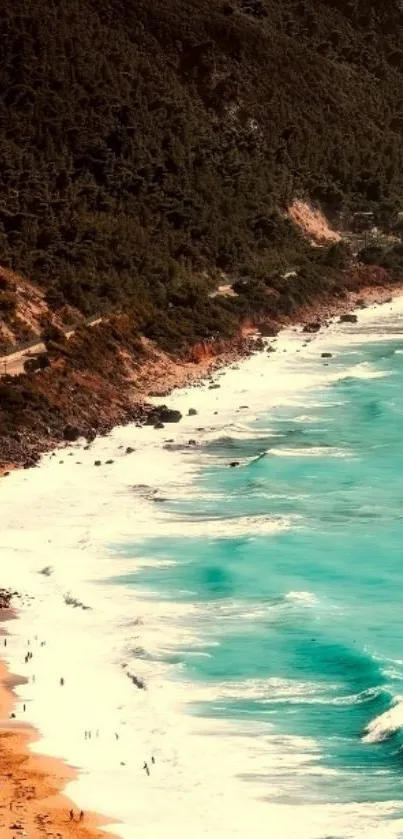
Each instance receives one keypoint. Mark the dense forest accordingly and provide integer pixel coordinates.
(149, 147)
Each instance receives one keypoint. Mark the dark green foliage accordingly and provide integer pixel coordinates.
(20, 401)
(51, 334)
(390, 257)
(147, 144)
(8, 301)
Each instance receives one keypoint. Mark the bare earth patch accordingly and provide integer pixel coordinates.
(312, 222)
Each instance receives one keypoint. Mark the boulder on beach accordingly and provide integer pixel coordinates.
(71, 433)
(159, 425)
(314, 326)
(5, 598)
(30, 462)
(192, 412)
(326, 355)
(129, 450)
(97, 463)
(163, 414)
(233, 463)
(348, 318)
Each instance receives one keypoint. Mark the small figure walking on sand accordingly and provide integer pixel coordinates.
(152, 759)
(24, 707)
(5, 642)
(146, 767)
(62, 681)
(81, 815)
(116, 735)
(71, 815)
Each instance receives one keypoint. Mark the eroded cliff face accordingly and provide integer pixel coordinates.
(25, 312)
(100, 377)
(103, 375)
(312, 222)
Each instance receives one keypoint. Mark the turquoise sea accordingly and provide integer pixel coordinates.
(255, 608)
(300, 629)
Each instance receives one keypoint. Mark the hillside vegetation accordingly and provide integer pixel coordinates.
(148, 149)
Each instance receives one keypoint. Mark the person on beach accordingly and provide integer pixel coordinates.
(152, 759)
(146, 767)
(5, 642)
(71, 815)
(62, 681)
(81, 815)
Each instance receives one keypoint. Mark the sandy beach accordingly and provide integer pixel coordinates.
(32, 803)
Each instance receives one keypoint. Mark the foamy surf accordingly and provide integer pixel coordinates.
(385, 725)
(118, 648)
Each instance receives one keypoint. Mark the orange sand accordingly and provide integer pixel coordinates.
(31, 800)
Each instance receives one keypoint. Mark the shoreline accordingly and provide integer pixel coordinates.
(161, 376)
(32, 797)
(51, 775)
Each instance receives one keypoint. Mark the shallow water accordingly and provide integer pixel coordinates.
(260, 604)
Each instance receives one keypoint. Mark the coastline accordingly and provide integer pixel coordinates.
(162, 374)
(32, 798)
(51, 775)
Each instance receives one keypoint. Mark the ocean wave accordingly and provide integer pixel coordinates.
(305, 597)
(313, 451)
(386, 725)
(363, 371)
(219, 527)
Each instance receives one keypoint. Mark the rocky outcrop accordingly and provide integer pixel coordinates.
(161, 414)
(348, 318)
(5, 598)
(314, 326)
(71, 433)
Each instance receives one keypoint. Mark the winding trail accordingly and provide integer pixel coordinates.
(13, 364)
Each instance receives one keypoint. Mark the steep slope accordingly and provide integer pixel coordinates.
(184, 168)
(147, 144)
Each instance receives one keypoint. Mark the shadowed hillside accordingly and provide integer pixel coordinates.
(148, 146)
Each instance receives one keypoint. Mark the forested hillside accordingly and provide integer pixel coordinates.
(148, 145)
